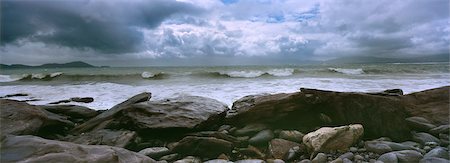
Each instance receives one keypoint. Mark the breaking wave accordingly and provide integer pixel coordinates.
(357, 71)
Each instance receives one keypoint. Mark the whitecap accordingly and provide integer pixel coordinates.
(358, 71)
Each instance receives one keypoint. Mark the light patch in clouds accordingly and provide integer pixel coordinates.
(282, 29)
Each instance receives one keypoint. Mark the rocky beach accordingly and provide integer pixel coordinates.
(309, 125)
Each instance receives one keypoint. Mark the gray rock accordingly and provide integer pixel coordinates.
(353, 149)
(433, 160)
(338, 160)
(119, 138)
(305, 161)
(218, 161)
(443, 129)
(401, 156)
(155, 152)
(209, 147)
(36, 149)
(320, 158)
(420, 124)
(358, 158)
(346, 160)
(250, 161)
(348, 155)
(250, 129)
(388, 158)
(377, 147)
(189, 159)
(423, 138)
(20, 118)
(275, 161)
(71, 111)
(292, 135)
(412, 144)
(261, 138)
(170, 157)
(432, 144)
(439, 152)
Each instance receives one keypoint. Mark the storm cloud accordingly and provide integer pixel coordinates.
(111, 32)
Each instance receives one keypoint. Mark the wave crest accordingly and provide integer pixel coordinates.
(357, 71)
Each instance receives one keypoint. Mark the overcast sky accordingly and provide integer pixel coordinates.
(168, 32)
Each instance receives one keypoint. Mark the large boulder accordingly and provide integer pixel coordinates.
(309, 109)
(420, 124)
(431, 104)
(20, 118)
(328, 139)
(36, 149)
(168, 117)
(119, 138)
(74, 113)
(101, 120)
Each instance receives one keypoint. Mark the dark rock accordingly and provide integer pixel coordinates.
(320, 158)
(261, 138)
(120, 138)
(291, 135)
(36, 149)
(218, 135)
(439, 152)
(420, 124)
(442, 129)
(412, 144)
(252, 152)
(102, 120)
(15, 95)
(338, 160)
(82, 99)
(431, 104)
(250, 130)
(60, 102)
(423, 138)
(389, 92)
(155, 152)
(189, 159)
(170, 157)
(279, 148)
(375, 113)
(381, 147)
(401, 156)
(433, 160)
(71, 111)
(20, 118)
(203, 146)
(224, 128)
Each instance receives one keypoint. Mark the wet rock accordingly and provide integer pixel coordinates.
(36, 149)
(20, 118)
(433, 160)
(423, 138)
(420, 124)
(119, 138)
(401, 156)
(438, 152)
(329, 139)
(261, 138)
(279, 148)
(82, 99)
(291, 135)
(203, 146)
(155, 152)
(320, 158)
(250, 129)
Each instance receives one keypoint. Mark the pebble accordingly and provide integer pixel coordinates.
(353, 149)
(320, 158)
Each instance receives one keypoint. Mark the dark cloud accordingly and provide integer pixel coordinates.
(98, 25)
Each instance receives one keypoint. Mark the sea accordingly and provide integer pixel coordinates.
(112, 85)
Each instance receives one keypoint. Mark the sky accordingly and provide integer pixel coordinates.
(219, 32)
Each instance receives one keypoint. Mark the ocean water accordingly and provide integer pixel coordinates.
(110, 86)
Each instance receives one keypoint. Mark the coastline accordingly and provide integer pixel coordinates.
(262, 127)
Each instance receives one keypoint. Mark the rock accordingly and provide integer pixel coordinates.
(218, 161)
(375, 113)
(338, 160)
(353, 149)
(295, 152)
(328, 139)
(218, 135)
(348, 155)
(381, 147)
(189, 159)
(433, 160)
(420, 124)
(73, 112)
(203, 146)
(252, 152)
(60, 102)
(120, 138)
(432, 144)
(291, 135)
(431, 104)
(170, 157)
(438, 152)
(442, 129)
(389, 92)
(346, 160)
(423, 138)
(412, 144)
(36, 149)
(320, 158)
(224, 128)
(15, 95)
(82, 99)
(358, 158)
(102, 120)
(401, 156)
(250, 130)
(20, 118)
(223, 157)
(261, 138)
(155, 152)
(305, 161)
(279, 148)
(250, 161)
(274, 161)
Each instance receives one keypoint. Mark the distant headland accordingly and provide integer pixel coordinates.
(76, 64)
